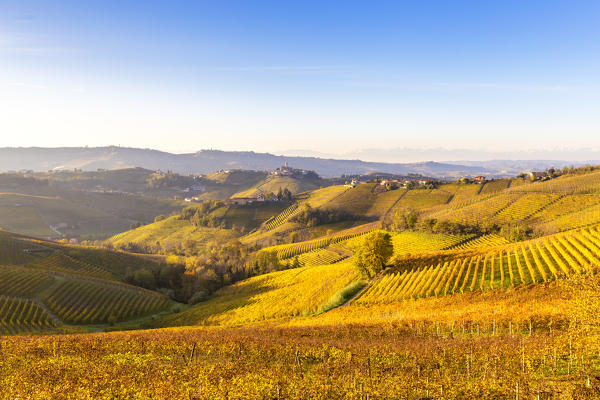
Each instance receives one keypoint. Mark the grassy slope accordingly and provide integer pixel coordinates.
(276, 295)
(170, 232)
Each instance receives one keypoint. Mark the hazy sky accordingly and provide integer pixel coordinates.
(330, 76)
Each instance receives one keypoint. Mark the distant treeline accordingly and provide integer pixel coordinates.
(402, 221)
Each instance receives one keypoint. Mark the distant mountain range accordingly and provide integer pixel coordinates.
(454, 156)
(206, 161)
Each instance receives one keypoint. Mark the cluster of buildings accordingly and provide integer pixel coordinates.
(478, 179)
(539, 175)
(286, 170)
(406, 183)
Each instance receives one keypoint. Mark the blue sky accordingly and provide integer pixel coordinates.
(329, 76)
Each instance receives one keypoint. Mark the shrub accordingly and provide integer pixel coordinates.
(198, 297)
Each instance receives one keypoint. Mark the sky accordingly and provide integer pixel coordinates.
(326, 76)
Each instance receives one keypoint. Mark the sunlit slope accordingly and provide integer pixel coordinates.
(546, 212)
(276, 295)
(18, 315)
(406, 243)
(287, 251)
(503, 267)
(272, 184)
(555, 205)
(168, 234)
(366, 201)
(280, 223)
(540, 308)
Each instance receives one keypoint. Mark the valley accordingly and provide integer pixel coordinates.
(471, 265)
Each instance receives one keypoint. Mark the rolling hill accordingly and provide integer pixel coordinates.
(206, 161)
(465, 308)
(46, 285)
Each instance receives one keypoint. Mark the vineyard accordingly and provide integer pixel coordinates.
(495, 186)
(357, 201)
(19, 315)
(419, 199)
(81, 301)
(525, 206)
(461, 192)
(570, 184)
(474, 212)
(406, 243)
(525, 263)
(565, 206)
(291, 250)
(281, 218)
(481, 241)
(319, 257)
(383, 202)
(21, 282)
(17, 252)
(585, 217)
(59, 262)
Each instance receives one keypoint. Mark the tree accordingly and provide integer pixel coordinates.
(411, 220)
(374, 252)
(144, 278)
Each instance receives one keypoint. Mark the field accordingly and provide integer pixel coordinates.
(343, 361)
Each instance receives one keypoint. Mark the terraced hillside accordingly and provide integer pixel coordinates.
(492, 269)
(290, 250)
(78, 301)
(280, 224)
(18, 315)
(502, 267)
(44, 285)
